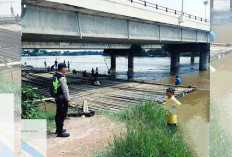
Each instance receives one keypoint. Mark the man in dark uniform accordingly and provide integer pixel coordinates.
(56, 62)
(62, 99)
(68, 66)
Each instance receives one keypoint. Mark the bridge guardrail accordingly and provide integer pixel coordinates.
(159, 7)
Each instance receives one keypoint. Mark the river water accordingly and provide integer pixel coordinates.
(145, 68)
(220, 82)
(221, 96)
(193, 115)
(221, 21)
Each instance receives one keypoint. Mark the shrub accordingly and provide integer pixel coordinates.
(147, 134)
(28, 105)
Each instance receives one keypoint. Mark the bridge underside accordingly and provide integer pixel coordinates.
(40, 24)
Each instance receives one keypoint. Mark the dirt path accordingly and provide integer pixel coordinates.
(87, 136)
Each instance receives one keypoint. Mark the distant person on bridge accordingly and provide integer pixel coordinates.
(170, 107)
(178, 81)
(64, 61)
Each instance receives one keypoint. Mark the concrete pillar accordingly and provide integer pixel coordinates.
(174, 60)
(178, 57)
(130, 62)
(204, 61)
(113, 62)
(192, 57)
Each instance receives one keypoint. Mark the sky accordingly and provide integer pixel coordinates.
(6, 4)
(195, 7)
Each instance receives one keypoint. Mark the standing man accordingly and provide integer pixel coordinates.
(97, 72)
(61, 93)
(45, 64)
(68, 66)
(56, 62)
(92, 71)
(178, 81)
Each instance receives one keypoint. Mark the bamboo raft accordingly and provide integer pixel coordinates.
(113, 95)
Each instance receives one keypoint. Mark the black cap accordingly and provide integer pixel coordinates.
(170, 89)
(61, 65)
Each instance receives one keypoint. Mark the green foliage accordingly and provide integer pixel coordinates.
(147, 134)
(29, 107)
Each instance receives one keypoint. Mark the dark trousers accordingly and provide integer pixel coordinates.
(61, 114)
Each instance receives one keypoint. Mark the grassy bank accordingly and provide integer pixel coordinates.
(147, 134)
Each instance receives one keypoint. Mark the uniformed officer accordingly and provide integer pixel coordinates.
(62, 100)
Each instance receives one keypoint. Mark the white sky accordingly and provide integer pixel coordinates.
(6, 4)
(195, 7)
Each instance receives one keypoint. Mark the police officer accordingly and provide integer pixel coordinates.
(62, 100)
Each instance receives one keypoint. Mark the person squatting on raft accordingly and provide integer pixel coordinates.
(62, 97)
(170, 106)
(178, 81)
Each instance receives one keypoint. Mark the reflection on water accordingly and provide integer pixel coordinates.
(193, 114)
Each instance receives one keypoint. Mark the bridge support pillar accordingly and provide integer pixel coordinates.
(174, 60)
(130, 62)
(204, 61)
(113, 62)
(192, 57)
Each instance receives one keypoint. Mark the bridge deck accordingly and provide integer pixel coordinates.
(111, 95)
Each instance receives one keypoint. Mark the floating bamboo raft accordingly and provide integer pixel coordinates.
(113, 95)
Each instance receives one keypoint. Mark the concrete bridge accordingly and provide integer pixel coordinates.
(113, 24)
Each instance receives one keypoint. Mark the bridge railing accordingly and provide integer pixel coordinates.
(162, 8)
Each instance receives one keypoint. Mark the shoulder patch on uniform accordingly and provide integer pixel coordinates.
(64, 79)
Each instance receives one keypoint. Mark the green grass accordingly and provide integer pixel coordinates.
(220, 144)
(49, 116)
(147, 134)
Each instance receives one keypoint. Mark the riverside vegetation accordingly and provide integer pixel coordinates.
(31, 110)
(147, 134)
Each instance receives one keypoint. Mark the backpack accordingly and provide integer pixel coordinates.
(54, 87)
